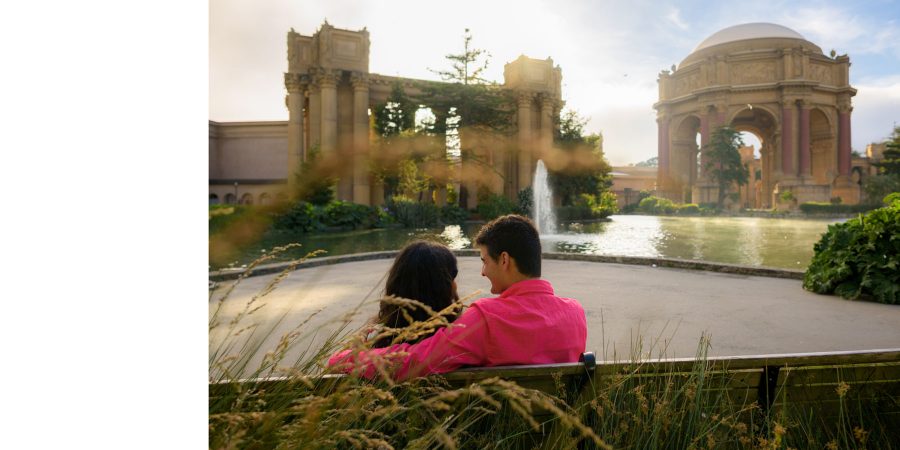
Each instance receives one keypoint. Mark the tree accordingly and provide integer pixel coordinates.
(315, 180)
(396, 115)
(652, 162)
(723, 161)
(465, 67)
(890, 161)
(887, 180)
(470, 105)
(578, 165)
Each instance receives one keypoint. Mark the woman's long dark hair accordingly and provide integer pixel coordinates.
(423, 271)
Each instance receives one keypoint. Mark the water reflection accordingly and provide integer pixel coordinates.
(454, 237)
(785, 243)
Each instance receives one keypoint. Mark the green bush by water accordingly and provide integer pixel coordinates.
(589, 207)
(413, 214)
(833, 208)
(304, 217)
(491, 206)
(859, 258)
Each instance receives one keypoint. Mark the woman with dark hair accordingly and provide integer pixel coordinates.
(425, 272)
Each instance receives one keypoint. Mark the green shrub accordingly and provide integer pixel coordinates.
(346, 214)
(220, 216)
(301, 217)
(413, 214)
(859, 258)
(891, 198)
(833, 208)
(589, 207)
(687, 209)
(453, 214)
(656, 205)
(572, 213)
(492, 206)
(526, 202)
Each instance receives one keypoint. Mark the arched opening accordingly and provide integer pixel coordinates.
(822, 148)
(751, 157)
(229, 199)
(264, 199)
(757, 126)
(213, 199)
(247, 199)
(684, 157)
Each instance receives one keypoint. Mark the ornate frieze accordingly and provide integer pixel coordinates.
(687, 83)
(753, 72)
(822, 73)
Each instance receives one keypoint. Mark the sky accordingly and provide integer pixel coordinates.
(610, 52)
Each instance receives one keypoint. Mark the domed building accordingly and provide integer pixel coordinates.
(768, 80)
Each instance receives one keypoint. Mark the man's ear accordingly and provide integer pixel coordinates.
(504, 260)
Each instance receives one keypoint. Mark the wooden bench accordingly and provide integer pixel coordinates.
(821, 385)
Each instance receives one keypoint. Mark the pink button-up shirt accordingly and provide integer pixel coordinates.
(526, 324)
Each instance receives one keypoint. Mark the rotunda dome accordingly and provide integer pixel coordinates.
(748, 31)
(749, 36)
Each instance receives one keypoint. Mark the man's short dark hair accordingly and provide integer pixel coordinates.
(517, 236)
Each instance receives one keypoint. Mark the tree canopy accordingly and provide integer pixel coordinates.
(723, 161)
(577, 165)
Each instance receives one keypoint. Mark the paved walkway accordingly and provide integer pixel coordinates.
(630, 309)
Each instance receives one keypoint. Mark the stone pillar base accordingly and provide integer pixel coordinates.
(362, 194)
(705, 192)
(847, 190)
(812, 192)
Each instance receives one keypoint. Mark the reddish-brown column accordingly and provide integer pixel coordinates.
(663, 144)
(787, 139)
(844, 143)
(804, 141)
(704, 139)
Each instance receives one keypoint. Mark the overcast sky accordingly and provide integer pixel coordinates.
(610, 52)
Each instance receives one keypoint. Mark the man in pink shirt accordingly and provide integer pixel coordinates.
(526, 324)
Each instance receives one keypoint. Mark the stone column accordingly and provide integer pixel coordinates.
(721, 110)
(844, 150)
(295, 84)
(361, 189)
(662, 155)
(328, 80)
(805, 151)
(704, 139)
(315, 116)
(525, 140)
(787, 139)
(548, 106)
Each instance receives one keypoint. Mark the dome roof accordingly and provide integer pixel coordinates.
(749, 37)
(748, 31)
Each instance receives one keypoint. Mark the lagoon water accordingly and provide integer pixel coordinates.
(781, 243)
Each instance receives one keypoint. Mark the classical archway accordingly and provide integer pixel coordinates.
(769, 80)
(685, 156)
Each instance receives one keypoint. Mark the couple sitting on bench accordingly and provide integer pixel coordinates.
(526, 324)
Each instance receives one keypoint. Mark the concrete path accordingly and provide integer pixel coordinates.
(630, 309)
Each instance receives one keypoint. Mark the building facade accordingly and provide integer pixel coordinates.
(768, 80)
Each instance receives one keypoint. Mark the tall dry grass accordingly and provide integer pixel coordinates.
(283, 402)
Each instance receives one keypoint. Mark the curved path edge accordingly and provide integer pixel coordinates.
(265, 269)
